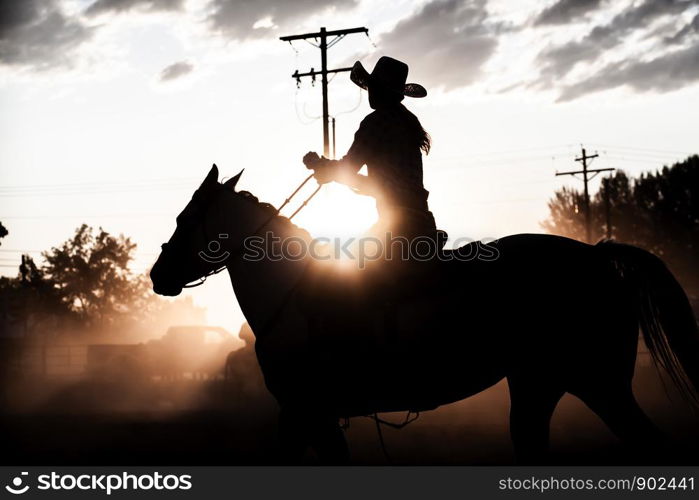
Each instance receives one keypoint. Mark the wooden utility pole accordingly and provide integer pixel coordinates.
(324, 45)
(24, 273)
(586, 178)
(333, 123)
(607, 206)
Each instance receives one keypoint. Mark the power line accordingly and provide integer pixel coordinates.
(16, 250)
(323, 35)
(90, 192)
(520, 150)
(499, 202)
(668, 151)
(107, 181)
(19, 251)
(491, 164)
(636, 160)
(633, 154)
(85, 216)
(586, 200)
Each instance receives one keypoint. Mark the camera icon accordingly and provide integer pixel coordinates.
(213, 252)
(16, 487)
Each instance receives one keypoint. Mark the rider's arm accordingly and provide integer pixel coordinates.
(362, 147)
(345, 170)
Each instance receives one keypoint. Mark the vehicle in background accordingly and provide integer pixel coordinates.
(195, 352)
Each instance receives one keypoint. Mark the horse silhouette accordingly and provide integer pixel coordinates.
(550, 314)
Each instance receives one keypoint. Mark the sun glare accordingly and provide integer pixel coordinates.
(337, 212)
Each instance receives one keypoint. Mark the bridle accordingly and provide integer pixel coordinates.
(264, 224)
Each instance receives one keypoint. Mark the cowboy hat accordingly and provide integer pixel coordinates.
(389, 73)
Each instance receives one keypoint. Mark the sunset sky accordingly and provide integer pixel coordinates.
(114, 110)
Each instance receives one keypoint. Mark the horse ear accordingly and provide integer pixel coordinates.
(212, 176)
(230, 183)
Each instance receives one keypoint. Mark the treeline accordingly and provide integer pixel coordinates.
(85, 287)
(658, 211)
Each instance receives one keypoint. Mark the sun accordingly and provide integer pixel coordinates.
(337, 212)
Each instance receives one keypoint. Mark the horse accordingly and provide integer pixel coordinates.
(550, 314)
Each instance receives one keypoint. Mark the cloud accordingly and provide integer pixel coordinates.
(564, 11)
(447, 41)
(176, 70)
(689, 29)
(119, 6)
(557, 61)
(661, 74)
(254, 19)
(36, 34)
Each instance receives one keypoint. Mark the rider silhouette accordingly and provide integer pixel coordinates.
(389, 142)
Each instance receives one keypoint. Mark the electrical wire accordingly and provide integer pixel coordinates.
(86, 216)
(335, 40)
(371, 41)
(298, 115)
(102, 187)
(649, 150)
(355, 107)
(103, 182)
(24, 251)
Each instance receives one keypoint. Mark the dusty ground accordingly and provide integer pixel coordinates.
(205, 423)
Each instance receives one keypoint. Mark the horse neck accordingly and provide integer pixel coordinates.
(263, 286)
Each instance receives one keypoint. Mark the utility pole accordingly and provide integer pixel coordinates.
(607, 207)
(324, 45)
(24, 273)
(333, 123)
(586, 178)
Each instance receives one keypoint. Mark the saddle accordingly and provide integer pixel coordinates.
(376, 279)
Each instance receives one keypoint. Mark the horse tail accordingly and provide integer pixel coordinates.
(665, 315)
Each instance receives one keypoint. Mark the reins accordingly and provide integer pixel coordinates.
(264, 224)
(410, 417)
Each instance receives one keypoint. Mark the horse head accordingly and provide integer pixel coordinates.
(202, 242)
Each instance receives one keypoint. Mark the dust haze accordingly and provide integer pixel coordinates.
(196, 395)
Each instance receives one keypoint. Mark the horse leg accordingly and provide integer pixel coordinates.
(531, 406)
(328, 441)
(299, 429)
(293, 440)
(620, 411)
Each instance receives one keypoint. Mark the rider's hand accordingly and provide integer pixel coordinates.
(311, 159)
(324, 174)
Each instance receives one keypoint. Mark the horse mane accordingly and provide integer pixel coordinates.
(271, 210)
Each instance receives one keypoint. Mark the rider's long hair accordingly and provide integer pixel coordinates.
(421, 137)
(380, 97)
(424, 139)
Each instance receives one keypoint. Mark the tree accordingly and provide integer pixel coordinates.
(86, 285)
(30, 303)
(91, 273)
(567, 217)
(658, 211)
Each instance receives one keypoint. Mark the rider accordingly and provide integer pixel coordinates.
(389, 142)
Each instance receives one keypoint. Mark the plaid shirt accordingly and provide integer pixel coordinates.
(382, 143)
